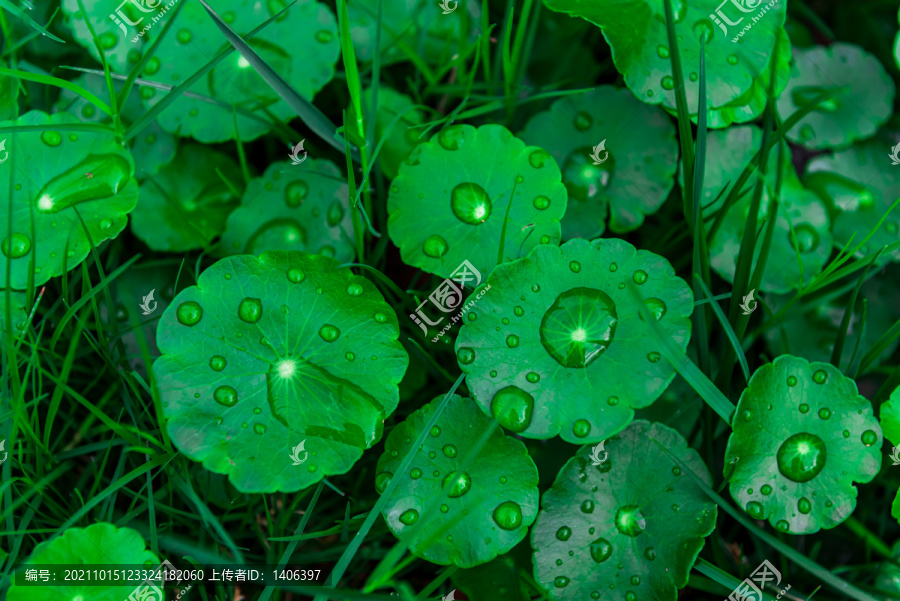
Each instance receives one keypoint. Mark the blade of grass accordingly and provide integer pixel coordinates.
(31, 22)
(729, 332)
(59, 83)
(305, 110)
(848, 314)
(853, 371)
(684, 122)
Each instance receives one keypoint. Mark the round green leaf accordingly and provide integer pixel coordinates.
(267, 353)
(453, 200)
(486, 508)
(195, 39)
(186, 204)
(810, 332)
(860, 185)
(629, 528)
(557, 346)
(802, 436)
(890, 417)
(49, 172)
(410, 29)
(98, 544)
(116, 36)
(866, 101)
(636, 31)
(293, 208)
(633, 179)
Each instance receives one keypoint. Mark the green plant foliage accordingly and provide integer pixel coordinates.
(810, 332)
(631, 182)
(860, 185)
(402, 138)
(497, 580)
(887, 578)
(890, 418)
(116, 42)
(476, 207)
(629, 528)
(47, 178)
(9, 93)
(16, 301)
(487, 500)
(637, 33)
(186, 204)
(195, 40)
(558, 347)
(98, 544)
(802, 436)
(293, 208)
(866, 90)
(265, 353)
(803, 226)
(409, 28)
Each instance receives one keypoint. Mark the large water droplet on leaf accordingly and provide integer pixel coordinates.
(189, 313)
(583, 179)
(801, 457)
(470, 203)
(72, 187)
(508, 515)
(409, 517)
(250, 310)
(601, 550)
(512, 408)
(276, 234)
(459, 483)
(16, 246)
(630, 521)
(226, 395)
(435, 246)
(329, 333)
(579, 326)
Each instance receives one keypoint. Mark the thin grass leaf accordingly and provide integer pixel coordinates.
(729, 332)
(700, 258)
(305, 110)
(853, 371)
(817, 571)
(28, 20)
(59, 83)
(848, 314)
(684, 121)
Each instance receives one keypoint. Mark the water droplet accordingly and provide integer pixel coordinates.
(804, 506)
(329, 333)
(537, 158)
(587, 506)
(512, 341)
(601, 550)
(612, 401)
(564, 533)
(782, 526)
(493, 373)
(459, 482)
(533, 377)
(108, 40)
(804, 408)
(147, 93)
(675, 508)
(324, 36)
(806, 238)
(676, 471)
(259, 428)
(820, 376)
(465, 355)
(581, 428)
(650, 553)
(502, 479)
(435, 431)
(409, 517)
(382, 480)
(630, 521)
(869, 437)
(541, 203)
(583, 121)
(435, 246)
(226, 395)
(450, 451)
(579, 326)
(657, 308)
(732, 59)
(51, 138)
(217, 363)
(16, 246)
(445, 508)
(575, 266)
(512, 408)
(294, 193)
(703, 31)
(560, 581)
(218, 421)
(470, 203)
(747, 415)
(755, 510)
(295, 275)
(801, 457)
(519, 179)
(635, 581)
(653, 357)
(667, 82)
(416, 473)
(184, 36)
(250, 310)
(791, 381)
(766, 489)
(189, 313)
(824, 413)
(639, 277)
(508, 515)
(452, 138)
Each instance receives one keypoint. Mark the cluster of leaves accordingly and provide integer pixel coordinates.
(588, 197)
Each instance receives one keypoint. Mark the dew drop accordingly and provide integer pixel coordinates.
(435, 431)
(583, 121)
(51, 138)
(575, 266)
(382, 480)
(766, 489)
(349, 356)
(409, 517)
(450, 451)
(578, 327)
(416, 473)
(824, 413)
(650, 553)
(459, 482)
(801, 457)
(512, 341)
(869, 437)
(250, 310)
(541, 203)
(804, 506)
(452, 138)
(184, 36)
(259, 428)
(581, 428)
(601, 550)
(16, 246)
(564, 533)
(189, 313)
(657, 308)
(217, 363)
(782, 526)
(445, 508)
(667, 82)
(676, 471)
(435, 246)
(806, 238)
(587, 506)
(295, 275)
(703, 30)
(653, 357)
(732, 59)
(820, 377)
(324, 36)
(533, 377)
(226, 395)
(612, 401)
(755, 510)
(512, 408)
(218, 421)
(803, 408)
(560, 581)
(465, 355)
(508, 515)
(537, 158)
(470, 203)
(630, 521)
(108, 40)
(792, 381)
(639, 277)
(294, 193)
(662, 51)
(329, 333)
